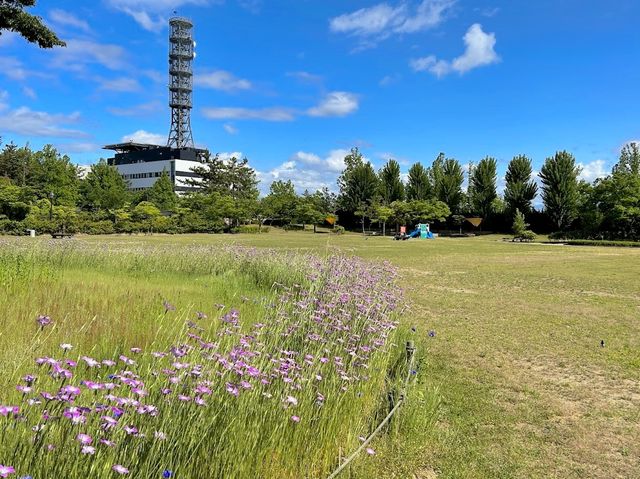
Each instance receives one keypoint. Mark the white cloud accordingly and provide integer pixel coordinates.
(63, 18)
(29, 92)
(221, 80)
(26, 122)
(429, 14)
(137, 110)
(593, 170)
(122, 84)
(307, 171)
(388, 80)
(13, 68)
(382, 20)
(77, 147)
(152, 15)
(229, 128)
(227, 155)
(267, 114)
(337, 103)
(252, 6)
(142, 136)
(78, 53)
(479, 51)
(305, 77)
(4, 100)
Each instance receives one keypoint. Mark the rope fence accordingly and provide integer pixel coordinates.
(403, 393)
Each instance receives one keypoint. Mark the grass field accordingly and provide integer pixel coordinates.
(524, 387)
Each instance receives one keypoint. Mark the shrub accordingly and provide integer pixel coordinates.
(98, 228)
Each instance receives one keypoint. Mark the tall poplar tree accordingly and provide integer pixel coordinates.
(559, 176)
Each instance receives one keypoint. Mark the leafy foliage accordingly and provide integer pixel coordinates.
(391, 186)
(520, 189)
(419, 186)
(483, 186)
(559, 177)
(14, 19)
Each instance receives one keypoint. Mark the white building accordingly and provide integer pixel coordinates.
(141, 165)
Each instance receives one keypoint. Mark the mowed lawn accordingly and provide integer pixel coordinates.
(525, 388)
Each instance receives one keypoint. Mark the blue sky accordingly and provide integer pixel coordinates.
(293, 84)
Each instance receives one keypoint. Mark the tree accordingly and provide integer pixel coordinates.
(54, 173)
(227, 177)
(307, 211)
(559, 176)
(382, 214)
(483, 186)
(617, 197)
(520, 188)
(427, 211)
(448, 178)
(14, 19)
(391, 186)
(629, 159)
(13, 204)
(17, 164)
(520, 231)
(161, 193)
(360, 190)
(103, 188)
(419, 185)
(281, 202)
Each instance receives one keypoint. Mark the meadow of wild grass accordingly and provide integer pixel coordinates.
(515, 382)
(190, 361)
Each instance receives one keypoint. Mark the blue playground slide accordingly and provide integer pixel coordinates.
(414, 234)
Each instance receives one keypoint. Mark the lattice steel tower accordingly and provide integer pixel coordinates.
(181, 55)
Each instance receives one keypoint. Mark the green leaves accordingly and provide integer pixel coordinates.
(559, 177)
(483, 186)
(520, 189)
(32, 28)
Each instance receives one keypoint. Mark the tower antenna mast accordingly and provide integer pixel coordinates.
(181, 55)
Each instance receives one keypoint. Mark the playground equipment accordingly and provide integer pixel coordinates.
(422, 231)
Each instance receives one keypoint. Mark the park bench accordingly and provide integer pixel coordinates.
(61, 235)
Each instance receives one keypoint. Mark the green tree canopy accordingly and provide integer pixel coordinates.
(391, 186)
(358, 184)
(520, 188)
(448, 178)
(14, 18)
(227, 177)
(281, 202)
(103, 188)
(629, 159)
(559, 176)
(161, 193)
(419, 185)
(483, 186)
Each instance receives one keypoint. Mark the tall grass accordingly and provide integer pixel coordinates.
(197, 363)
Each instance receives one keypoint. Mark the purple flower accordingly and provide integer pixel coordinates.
(6, 410)
(168, 306)
(295, 418)
(84, 439)
(432, 334)
(66, 346)
(167, 473)
(88, 450)
(43, 321)
(120, 469)
(200, 315)
(370, 451)
(6, 470)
